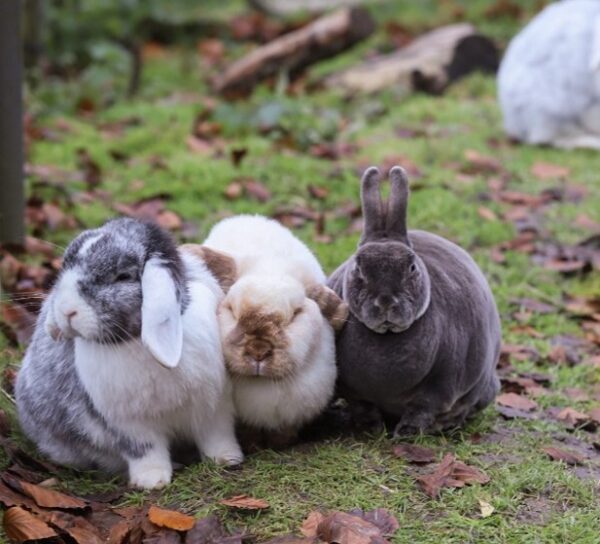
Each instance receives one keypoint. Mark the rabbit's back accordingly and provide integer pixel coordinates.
(269, 245)
(445, 353)
(547, 81)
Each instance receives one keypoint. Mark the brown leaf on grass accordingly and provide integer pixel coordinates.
(565, 266)
(481, 164)
(545, 170)
(414, 454)
(568, 456)
(120, 532)
(233, 191)
(35, 245)
(211, 50)
(311, 523)
(332, 150)
(209, 530)
(20, 321)
(9, 497)
(573, 417)
(170, 519)
(237, 155)
(77, 527)
(318, 192)
(46, 498)
(487, 214)
(256, 190)
(92, 173)
(594, 414)
(23, 526)
(512, 400)
(345, 528)
(244, 502)
(504, 8)
(534, 305)
(382, 518)
(151, 209)
(518, 385)
(516, 198)
(519, 352)
(450, 473)
(561, 355)
(199, 145)
(586, 222)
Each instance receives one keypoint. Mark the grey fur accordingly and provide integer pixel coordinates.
(54, 409)
(428, 365)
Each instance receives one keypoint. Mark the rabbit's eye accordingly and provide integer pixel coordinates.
(124, 276)
(412, 268)
(297, 312)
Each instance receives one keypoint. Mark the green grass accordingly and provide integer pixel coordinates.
(348, 472)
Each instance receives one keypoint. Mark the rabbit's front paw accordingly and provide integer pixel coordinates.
(230, 457)
(151, 477)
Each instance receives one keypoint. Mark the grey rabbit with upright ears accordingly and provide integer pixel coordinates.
(423, 337)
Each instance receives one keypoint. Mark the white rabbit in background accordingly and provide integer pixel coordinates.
(549, 79)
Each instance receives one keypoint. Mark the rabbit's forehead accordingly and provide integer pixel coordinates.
(103, 251)
(387, 255)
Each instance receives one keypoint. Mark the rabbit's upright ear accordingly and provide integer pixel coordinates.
(333, 308)
(372, 206)
(162, 329)
(221, 265)
(397, 205)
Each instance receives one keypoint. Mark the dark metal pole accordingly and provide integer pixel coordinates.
(12, 200)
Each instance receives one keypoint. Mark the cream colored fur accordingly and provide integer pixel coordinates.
(275, 269)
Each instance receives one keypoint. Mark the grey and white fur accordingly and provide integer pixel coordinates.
(423, 336)
(549, 79)
(126, 357)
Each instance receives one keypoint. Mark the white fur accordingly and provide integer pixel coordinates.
(147, 401)
(161, 321)
(66, 300)
(275, 268)
(549, 78)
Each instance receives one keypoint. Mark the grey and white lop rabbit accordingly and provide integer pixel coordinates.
(126, 357)
(423, 336)
(549, 79)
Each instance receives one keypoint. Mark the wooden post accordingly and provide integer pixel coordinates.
(12, 201)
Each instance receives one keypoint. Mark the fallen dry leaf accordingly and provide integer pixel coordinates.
(485, 509)
(512, 400)
(20, 321)
(558, 454)
(487, 214)
(481, 164)
(381, 518)
(311, 523)
(414, 454)
(23, 526)
(170, 519)
(257, 190)
(450, 473)
(233, 191)
(345, 528)
(46, 498)
(244, 502)
(545, 170)
(573, 417)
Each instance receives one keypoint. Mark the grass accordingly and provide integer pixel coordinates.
(536, 500)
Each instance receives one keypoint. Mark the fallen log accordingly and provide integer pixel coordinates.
(429, 63)
(293, 52)
(287, 8)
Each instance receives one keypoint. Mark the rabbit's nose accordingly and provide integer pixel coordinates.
(259, 350)
(383, 302)
(70, 314)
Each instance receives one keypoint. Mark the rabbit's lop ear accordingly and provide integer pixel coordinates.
(221, 265)
(372, 206)
(162, 330)
(333, 308)
(397, 205)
